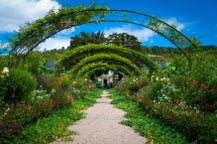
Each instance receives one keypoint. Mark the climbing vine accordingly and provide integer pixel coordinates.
(72, 57)
(106, 58)
(88, 69)
(30, 35)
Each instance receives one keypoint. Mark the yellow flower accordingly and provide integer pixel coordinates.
(35, 54)
(56, 137)
(43, 61)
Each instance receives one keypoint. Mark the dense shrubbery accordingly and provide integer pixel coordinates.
(16, 84)
(183, 99)
(25, 99)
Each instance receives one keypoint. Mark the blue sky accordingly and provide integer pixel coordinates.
(194, 18)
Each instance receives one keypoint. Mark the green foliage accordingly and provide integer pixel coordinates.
(72, 57)
(17, 85)
(108, 58)
(202, 94)
(34, 63)
(124, 39)
(182, 99)
(52, 23)
(40, 103)
(85, 38)
(90, 69)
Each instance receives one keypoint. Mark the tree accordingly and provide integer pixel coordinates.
(122, 39)
(85, 38)
(125, 40)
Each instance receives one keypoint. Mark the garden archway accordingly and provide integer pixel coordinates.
(106, 58)
(31, 35)
(72, 57)
(87, 70)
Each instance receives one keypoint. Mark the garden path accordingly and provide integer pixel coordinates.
(101, 126)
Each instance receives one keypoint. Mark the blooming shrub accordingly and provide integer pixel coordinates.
(16, 84)
(53, 94)
(130, 85)
(202, 94)
(165, 99)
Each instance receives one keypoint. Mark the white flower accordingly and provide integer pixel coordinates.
(5, 71)
(53, 91)
(157, 79)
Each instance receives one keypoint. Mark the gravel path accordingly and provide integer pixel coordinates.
(101, 126)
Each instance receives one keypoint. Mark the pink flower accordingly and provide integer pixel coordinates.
(196, 82)
(53, 103)
(170, 118)
(15, 127)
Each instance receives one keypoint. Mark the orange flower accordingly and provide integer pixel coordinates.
(193, 86)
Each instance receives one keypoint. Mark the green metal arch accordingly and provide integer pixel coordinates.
(98, 69)
(100, 65)
(71, 57)
(31, 35)
(106, 58)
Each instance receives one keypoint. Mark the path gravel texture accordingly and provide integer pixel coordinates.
(101, 126)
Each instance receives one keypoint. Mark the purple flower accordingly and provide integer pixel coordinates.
(15, 127)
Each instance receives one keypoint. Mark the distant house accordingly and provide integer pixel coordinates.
(106, 80)
(50, 64)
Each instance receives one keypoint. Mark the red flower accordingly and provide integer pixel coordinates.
(210, 91)
(196, 82)
(215, 87)
(207, 106)
(193, 86)
(170, 118)
(203, 86)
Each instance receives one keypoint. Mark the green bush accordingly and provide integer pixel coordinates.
(17, 85)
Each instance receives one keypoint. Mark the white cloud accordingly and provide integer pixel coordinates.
(54, 43)
(62, 39)
(67, 32)
(16, 12)
(143, 35)
(173, 21)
